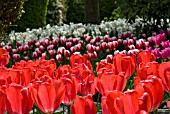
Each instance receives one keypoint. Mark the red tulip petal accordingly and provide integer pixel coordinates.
(14, 99)
(110, 101)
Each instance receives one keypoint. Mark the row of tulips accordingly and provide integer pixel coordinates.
(41, 83)
(62, 48)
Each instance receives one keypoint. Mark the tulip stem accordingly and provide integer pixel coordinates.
(63, 109)
(155, 112)
(98, 97)
(69, 112)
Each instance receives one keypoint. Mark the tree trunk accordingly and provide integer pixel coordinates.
(92, 14)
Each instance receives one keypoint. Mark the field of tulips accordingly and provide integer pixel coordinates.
(85, 69)
(123, 84)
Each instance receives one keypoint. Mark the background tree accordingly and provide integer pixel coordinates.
(10, 11)
(92, 14)
(156, 12)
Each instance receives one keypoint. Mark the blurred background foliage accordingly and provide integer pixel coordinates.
(10, 11)
(34, 16)
(155, 14)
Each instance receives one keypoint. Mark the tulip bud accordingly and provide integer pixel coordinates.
(106, 38)
(26, 48)
(26, 58)
(109, 58)
(94, 55)
(20, 49)
(14, 51)
(9, 48)
(75, 40)
(59, 57)
(146, 44)
(89, 55)
(34, 55)
(85, 36)
(16, 56)
(37, 44)
(50, 47)
(70, 40)
(63, 41)
(125, 43)
(110, 45)
(88, 39)
(150, 40)
(89, 48)
(130, 41)
(114, 38)
(97, 39)
(18, 44)
(72, 50)
(127, 34)
(119, 41)
(138, 45)
(131, 47)
(97, 49)
(30, 43)
(37, 50)
(115, 44)
(41, 48)
(60, 50)
(56, 41)
(144, 36)
(92, 42)
(45, 43)
(52, 52)
(43, 55)
(68, 45)
(116, 52)
(103, 45)
(80, 42)
(66, 53)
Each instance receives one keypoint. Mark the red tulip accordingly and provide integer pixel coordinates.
(124, 64)
(145, 69)
(87, 85)
(123, 103)
(145, 56)
(63, 71)
(83, 105)
(14, 76)
(77, 59)
(18, 99)
(105, 109)
(109, 81)
(164, 74)
(152, 86)
(71, 90)
(2, 103)
(4, 59)
(48, 95)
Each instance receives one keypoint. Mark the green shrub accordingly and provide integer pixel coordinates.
(34, 16)
(106, 8)
(75, 11)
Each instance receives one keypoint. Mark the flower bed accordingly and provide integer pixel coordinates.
(108, 68)
(123, 83)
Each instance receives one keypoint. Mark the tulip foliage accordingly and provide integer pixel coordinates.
(46, 86)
